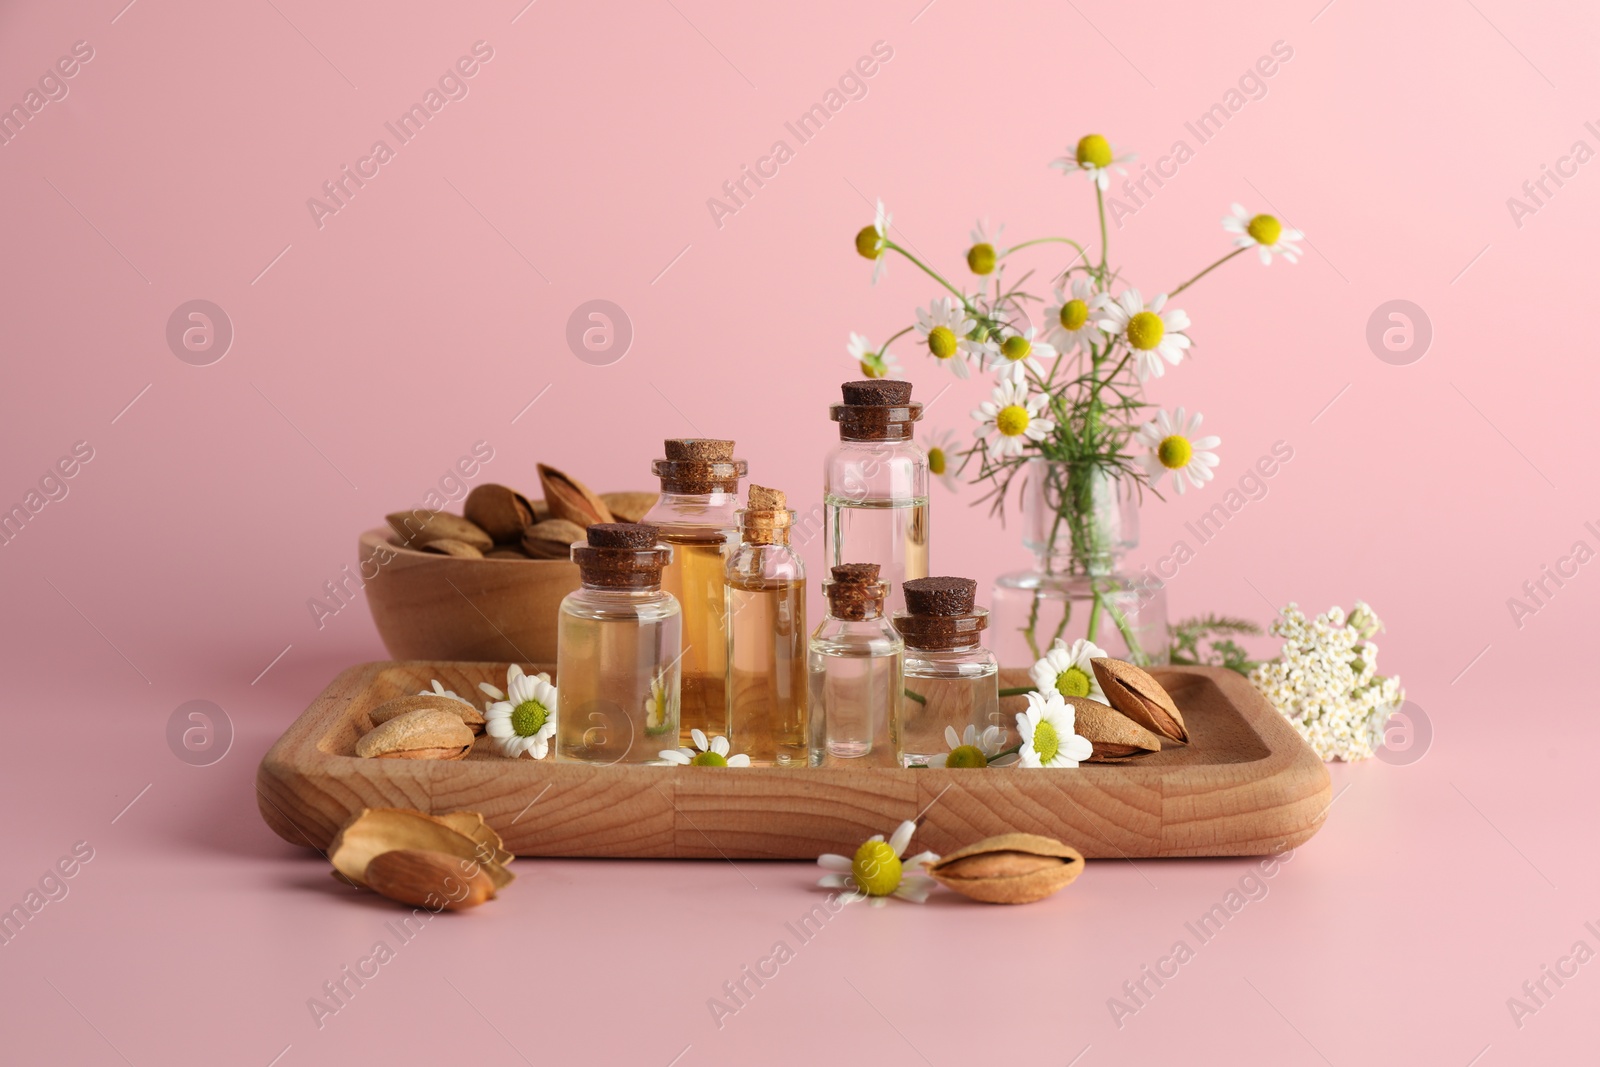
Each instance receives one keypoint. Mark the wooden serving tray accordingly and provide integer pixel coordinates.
(1246, 784)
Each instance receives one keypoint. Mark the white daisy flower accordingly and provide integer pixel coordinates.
(873, 364)
(971, 748)
(944, 327)
(525, 720)
(660, 709)
(1265, 232)
(871, 240)
(440, 691)
(1073, 316)
(1048, 730)
(879, 869)
(1012, 419)
(981, 257)
(1174, 447)
(943, 459)
(1152, 335)
(493, 693)
(711, 754)
(1068, 670)
(1017, 354)
(1096, 157)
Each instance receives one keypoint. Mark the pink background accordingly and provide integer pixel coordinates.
(371, 352)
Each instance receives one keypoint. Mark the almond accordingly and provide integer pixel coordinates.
(449, 546)
(630, 507)
(427, 733)
(1115, 737)
(427, 879)
(374, 831)
(502, 513)
(1009, 869)
(417, 527)
(1132, 691)
(551, 539)
(570, 499)
(393, 709)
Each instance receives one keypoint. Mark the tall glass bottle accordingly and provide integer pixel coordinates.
(766, 584)
(699, 495)
(875, 485)
(618, 641)
(952, 681)
(856, 667)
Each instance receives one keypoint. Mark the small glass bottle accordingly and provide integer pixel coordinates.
(952, 681)
(618, 641)
(767, 687)
(875, 484)
(856, 666)
(699, 494)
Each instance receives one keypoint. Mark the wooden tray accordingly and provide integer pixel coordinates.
(1245, 785)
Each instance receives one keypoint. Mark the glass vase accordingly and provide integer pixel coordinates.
(1078, 522)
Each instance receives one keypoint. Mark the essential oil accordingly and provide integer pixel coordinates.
(699, 495)
(856, 668)
(952, 681)
(766, 584)
(619, 639)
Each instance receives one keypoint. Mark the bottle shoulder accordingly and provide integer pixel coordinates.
(765, 563)
(857, 637)
(642, 605)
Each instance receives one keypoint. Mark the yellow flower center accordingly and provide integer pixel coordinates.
(876, 869)
(936, 460)
(980, 258)
(1046, 742)
(1094, 151)
(708, 759)
(942, 342)
(528, 718)
(1073, 682)
(1074, 313)
(1265, 228)
(1012, 420)
(1145, 330)
(966, 756)
(1174, 452)
(869, 370)
(1016, 347)
(868, 243)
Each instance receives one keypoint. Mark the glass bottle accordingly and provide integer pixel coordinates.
(699, 495)
(856, 665)
(618, 640)
(766, 585)
(952, 681)
(875, 485)
(1078, 522)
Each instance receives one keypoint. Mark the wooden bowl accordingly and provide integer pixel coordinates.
(428, 606)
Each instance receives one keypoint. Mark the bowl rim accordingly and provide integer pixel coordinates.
(384, 536)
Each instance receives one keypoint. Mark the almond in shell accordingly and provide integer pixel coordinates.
(374, 831)
(1009, 869)
(427, 879)
(570, 499)
(427, 733)
(551, 539)
(630, 507)
(1132, 691)
(501, 512)
(1115, 737)
(449, 546)
(417, 527)
(393, 709)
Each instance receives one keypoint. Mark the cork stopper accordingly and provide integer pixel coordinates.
(765, 519)
(621, 555)
(878, 409)
(940, 614)
(699, 465)
(855, 591)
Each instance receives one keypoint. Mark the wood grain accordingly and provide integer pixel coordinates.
(1245, 785)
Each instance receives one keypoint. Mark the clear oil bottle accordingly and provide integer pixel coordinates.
(952, 681)
(856, 668)
(699, 496)
(619, 638)
(766, 585)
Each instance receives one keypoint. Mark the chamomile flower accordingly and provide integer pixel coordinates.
(1151, 334)
(944, 327)
(1265, 232)
(1017, 354)
(1068, 670)
(880, 869)
(873, 364)
(1174, 447)
(971, 748)
(1072, 317)
(981, 257)
(1096, 157)
(660, 708)
(1012, 419)
(440, 691)
(943, 460)
(872, 241)
(494, 693)
(713, 753)
(1048, 729)
(525, 721)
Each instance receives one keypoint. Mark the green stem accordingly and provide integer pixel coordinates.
(1042, 241)
(1208, 270)
(1017, 690)
(1094, 613)
(1100, 204)
(929, 271)
(918, 697)
(1012, 751)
